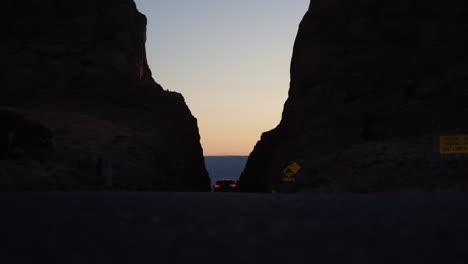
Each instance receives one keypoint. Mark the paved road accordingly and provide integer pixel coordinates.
(231, 228)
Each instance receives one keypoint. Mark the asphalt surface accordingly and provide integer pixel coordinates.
(106, 227)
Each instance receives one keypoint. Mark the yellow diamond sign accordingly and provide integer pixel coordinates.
(453, 144)
(292, 169)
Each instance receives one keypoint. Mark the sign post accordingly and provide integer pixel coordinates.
(456, 145)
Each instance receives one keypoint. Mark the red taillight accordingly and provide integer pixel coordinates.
(232, 185)
(217, 186)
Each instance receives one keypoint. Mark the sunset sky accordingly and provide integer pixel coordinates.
(229, 59)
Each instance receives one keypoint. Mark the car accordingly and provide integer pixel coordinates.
(225, 186)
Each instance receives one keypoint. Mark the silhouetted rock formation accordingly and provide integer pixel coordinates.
(78, 68)
(373, 85)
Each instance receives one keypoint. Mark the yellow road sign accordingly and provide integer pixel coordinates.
(453, 144)
(292, 169)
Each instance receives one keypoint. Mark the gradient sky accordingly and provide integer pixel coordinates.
(230, 60)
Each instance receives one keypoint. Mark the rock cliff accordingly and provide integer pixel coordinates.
(77, 70)
(373, 86)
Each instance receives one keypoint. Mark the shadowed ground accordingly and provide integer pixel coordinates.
(232, 228)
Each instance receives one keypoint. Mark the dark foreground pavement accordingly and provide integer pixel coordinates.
(231, 228)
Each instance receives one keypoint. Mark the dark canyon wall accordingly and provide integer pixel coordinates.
(80, 109)
(373, 86)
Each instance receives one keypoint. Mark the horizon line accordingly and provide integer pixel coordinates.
(225, 155)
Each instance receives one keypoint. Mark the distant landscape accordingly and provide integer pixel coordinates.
(225, 167)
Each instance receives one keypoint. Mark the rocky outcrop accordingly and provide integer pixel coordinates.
(19, 136)
(373, 86)
(78, 69)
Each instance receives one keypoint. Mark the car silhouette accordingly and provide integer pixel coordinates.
(224, 186)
